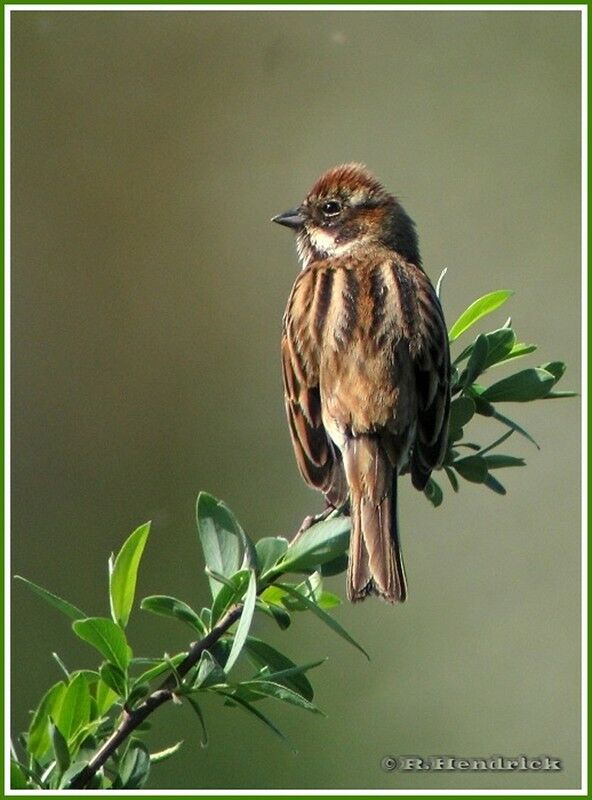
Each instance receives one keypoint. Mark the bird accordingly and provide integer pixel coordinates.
(366, 365)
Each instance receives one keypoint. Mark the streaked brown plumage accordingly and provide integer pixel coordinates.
(365, 365)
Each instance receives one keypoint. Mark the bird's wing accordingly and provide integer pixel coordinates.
(318, 459)
(432, 376)
(314, 450)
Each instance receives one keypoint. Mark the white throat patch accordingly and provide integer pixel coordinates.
(324, 242)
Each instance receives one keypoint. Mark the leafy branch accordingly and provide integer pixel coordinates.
(86, 730)
(169, 689)
(82, 734)
(488, 351)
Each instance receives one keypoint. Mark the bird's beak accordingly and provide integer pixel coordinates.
(291, 219)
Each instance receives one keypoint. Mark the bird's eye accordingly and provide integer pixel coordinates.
(331, 208)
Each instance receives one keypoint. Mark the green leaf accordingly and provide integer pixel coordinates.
(433, 492)
(328, 600)
(455, 436)
(138, 692)
(480, 308)
(462, 410)
(114, 677)
(18, 779)
(230, 593)
(501, 342)
(197, 708)
(32, 770)
(558, 395)
(493, 484)
(250, 560)
(163, 755)
(252, 710)
(38, 740)
(499, 461)
(328, 620)
(166, 606)
(311, 587)
(284, 676)
(206, 615)
(174, 671)
(264, 655)
(322, 542)
(105, 636)
(500, 345)
(518, 350)
(122, 580)
(497, 442)
(86, 735)
(105, 697)
(471, 468)
(522, 387)
(278, 614)
(464, 354)
(72, 772)
(74, 711)
(221, 650)
(57, 602)
(135, 768)
(280, 692)
(477, 361)
(244, 623)
(269, 551)
(514, 426)
(221, 538)
(223, 580)
(335, 567)
(482, 406)
(452, 478)
(160, 666)
(556, 368)
(274, 595)
(60, 747)
(209, 672)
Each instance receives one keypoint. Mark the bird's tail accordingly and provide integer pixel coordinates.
(375, 560)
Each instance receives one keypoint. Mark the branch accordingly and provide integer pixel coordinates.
(132, 719)
(166, 691)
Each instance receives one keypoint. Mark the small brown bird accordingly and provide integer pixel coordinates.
(365, 364)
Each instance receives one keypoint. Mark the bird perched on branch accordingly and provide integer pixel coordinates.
(366, 365)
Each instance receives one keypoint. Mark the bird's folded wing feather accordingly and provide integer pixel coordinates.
(432, 375)
(313, 449)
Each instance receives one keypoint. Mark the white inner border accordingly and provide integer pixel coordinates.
(584, 391)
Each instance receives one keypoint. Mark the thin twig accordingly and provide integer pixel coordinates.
(132, 719)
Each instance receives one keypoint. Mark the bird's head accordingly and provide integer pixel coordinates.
(345, 209)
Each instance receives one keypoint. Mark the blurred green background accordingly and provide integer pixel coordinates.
(149, 152)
